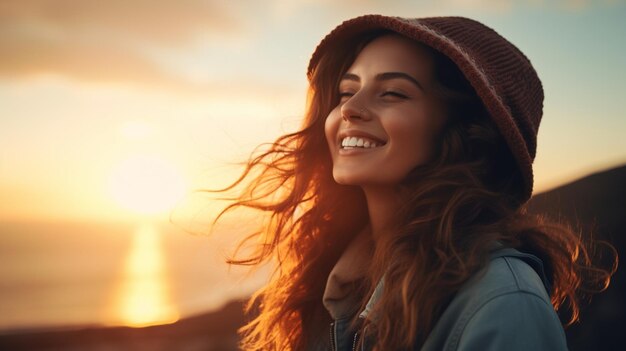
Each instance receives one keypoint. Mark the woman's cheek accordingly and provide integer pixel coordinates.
(331, 126)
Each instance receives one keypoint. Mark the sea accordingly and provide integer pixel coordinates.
(66, 274)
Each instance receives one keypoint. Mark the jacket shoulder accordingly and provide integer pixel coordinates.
(504, 306)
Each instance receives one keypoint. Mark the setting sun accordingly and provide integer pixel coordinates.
(146, 184)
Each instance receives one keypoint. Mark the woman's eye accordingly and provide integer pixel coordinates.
(345, 94)
(395, 94)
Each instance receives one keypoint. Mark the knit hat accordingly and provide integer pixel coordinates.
(501, 74)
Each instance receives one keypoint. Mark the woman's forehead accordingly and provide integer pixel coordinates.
(391, 53)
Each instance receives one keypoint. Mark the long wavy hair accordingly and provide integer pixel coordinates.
(457, 204)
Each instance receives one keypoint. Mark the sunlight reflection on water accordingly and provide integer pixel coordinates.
(144, 297)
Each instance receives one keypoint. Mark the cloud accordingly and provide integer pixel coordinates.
(94, 40)
(88, 61)
(182, 45)
(166, 22)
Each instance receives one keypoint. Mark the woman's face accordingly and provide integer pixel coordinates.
(388, 121)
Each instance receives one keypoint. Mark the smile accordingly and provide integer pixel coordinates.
(359, 143)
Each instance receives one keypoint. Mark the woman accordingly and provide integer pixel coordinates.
(397, 213)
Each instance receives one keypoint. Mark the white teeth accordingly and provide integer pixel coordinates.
(354, 142)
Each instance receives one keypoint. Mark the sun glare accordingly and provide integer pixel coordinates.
(146, 185)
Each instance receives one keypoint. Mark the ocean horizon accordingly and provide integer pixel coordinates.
(64, 274)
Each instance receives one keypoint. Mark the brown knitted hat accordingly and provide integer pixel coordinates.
(502, 76)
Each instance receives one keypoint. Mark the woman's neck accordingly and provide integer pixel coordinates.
(382, 205)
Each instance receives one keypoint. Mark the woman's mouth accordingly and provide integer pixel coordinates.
(348, 143)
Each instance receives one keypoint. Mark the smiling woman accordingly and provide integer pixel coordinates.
(397, 213)
(146, 185)
(388, 110)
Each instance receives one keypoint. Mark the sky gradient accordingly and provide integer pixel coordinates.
(94, 91)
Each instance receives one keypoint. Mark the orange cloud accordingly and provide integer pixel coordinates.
(166, 22)
(94, 40)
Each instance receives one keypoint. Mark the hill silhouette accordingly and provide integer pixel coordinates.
(213, 331)
(596, 204)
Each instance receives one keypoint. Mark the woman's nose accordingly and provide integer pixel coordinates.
(352, 109)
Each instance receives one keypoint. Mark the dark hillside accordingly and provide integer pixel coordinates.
(597, 205)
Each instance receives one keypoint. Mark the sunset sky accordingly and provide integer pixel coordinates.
(104, 104)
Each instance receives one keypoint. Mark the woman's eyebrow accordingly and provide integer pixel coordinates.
(385, 76)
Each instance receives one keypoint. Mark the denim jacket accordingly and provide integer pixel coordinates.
(506, 306)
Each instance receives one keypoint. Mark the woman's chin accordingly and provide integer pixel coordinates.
(363, 181)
